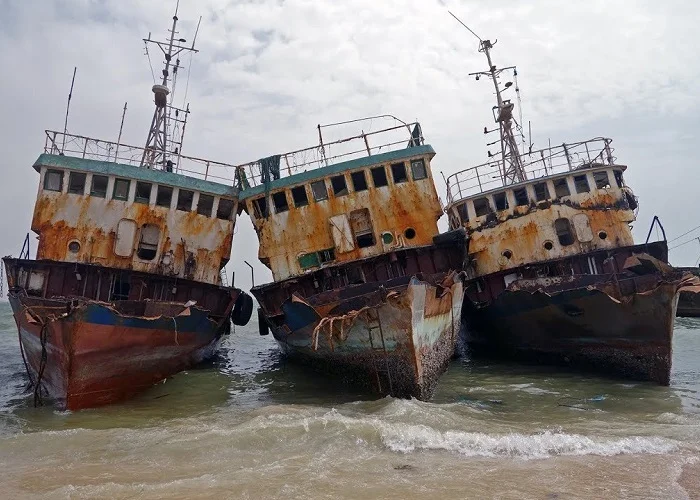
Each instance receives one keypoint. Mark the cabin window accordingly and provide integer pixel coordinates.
(164, 196)
(359, 181)
(143, 192)
(482, 207)
(308, 260)
(581, 184)
(148, 243)
(463, 212)
(398, 172)
(601, 180)
(326, 255)
(299, 196)
(618, 178)
(379, 176)
(279, 200)
(121, 288)
(184, 200)
(340, 188)
(121, 189)
(225, 209)
(76, 182)
(562, 226)
(205, 205)
(561, 188)
(99, 186)
(541, 191)
(319, 189)
(418, 170)
(260, 207)
(361, 224)
(521, 198)
(53, 180)
(501, 201)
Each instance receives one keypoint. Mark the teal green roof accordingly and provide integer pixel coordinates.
(132, 172)
(317, 173)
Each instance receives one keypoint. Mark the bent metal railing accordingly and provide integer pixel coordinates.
(537, 164)
(250, 174)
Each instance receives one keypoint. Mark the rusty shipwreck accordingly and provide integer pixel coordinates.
(364, 286)
(555, 274)
(126, 288)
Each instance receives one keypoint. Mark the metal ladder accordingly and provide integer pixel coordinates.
(374, 323)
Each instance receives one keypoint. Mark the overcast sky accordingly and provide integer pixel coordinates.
(268, 71)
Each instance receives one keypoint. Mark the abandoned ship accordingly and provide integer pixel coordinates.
(126, 288)
(364, 286)
(554, 272)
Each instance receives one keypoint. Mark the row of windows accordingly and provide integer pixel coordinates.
(53, 181)
(339, 186)
(541, 191)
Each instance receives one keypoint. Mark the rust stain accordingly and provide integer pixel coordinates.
(285, 236)
(61, 218)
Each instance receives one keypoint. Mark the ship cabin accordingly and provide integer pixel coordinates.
(572, 201)
(132, 220)
(320, 214)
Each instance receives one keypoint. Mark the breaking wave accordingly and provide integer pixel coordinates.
(410, 438)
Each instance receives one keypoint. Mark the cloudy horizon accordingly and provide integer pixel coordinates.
(269, 71)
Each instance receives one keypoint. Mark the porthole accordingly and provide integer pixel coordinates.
(548, 245)
(387, 238)
(602, 235)
(74, 246)
(409, 233)
(507, 254)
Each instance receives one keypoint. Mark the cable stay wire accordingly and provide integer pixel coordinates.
(697, 238)
(687, 232)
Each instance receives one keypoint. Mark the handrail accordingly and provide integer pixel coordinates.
(97, 149)
(312, 157)
(247, 174)
(536, 164)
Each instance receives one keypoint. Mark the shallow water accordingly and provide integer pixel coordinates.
(249, 425)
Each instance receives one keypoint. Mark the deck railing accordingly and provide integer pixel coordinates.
(537, 164)
(250, 174)
(329, 153)
(80, 146)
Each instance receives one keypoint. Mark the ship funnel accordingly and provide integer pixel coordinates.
(161, 92)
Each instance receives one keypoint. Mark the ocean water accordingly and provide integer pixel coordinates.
(250, 425)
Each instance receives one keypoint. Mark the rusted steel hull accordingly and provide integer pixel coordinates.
(396, 339)
(93, 355)
(84, 352)
(619, 323)
(581, 327)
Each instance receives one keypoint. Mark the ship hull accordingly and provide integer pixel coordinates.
(91, 355)
(586, 328)
(83, 351)
(395, 340)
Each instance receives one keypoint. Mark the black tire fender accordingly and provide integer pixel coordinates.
(263, 327)
(242, 309)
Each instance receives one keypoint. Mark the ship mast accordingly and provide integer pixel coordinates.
(512, 170)
(156, 153)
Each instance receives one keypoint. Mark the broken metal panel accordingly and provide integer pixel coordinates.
(342, 234)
